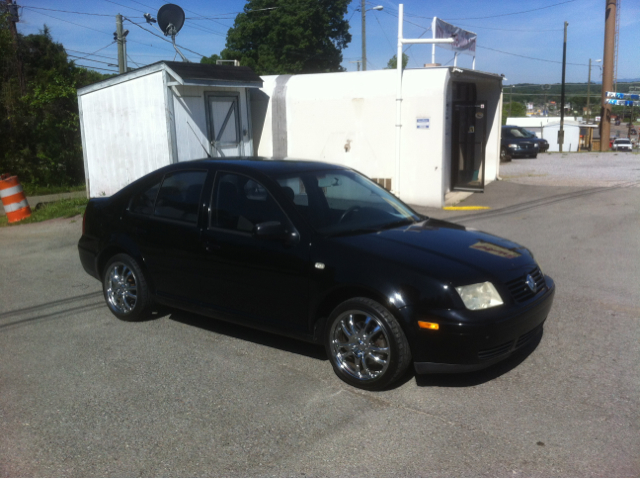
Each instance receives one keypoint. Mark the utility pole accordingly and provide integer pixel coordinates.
(564, 67)
(607, 73)
(510, 99)
(589, 93)
(120, 38)
(12, 9)
(364, 38)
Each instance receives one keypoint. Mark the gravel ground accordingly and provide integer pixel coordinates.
(574, 169)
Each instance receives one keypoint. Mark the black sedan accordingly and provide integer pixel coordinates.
(320, 253)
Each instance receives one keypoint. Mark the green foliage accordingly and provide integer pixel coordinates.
(517, 110)
(210, 60)
(296, 36)
(40, 124)
(393, 63)
(58, 209)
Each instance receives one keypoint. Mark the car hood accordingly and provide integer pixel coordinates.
(419, 245)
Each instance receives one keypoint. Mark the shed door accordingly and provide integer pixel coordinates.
(468, 148)
(224, 125)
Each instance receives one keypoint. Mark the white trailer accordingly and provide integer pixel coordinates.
(450, 126)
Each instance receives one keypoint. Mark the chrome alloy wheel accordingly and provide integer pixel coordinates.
(359, 345)
(122, 288)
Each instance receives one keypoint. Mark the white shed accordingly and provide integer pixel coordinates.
(160, 114)
(547, 127)
(450, 126)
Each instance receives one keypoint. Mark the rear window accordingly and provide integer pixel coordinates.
(179, 196)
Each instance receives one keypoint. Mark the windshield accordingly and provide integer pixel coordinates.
(344, 202)
(623, 141)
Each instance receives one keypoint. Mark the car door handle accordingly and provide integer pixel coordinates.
(210, 246)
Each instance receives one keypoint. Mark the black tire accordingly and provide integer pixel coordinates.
(366, 345)
(125, 289)
(504, 156)
(535, 155)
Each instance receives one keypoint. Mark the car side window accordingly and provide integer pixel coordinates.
(239, 203)
(179, 196)
(143, 202)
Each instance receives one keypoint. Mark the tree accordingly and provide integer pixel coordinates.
(393, 63)
(40, 128)
(517, 110)
(210, 60)
(289, 36)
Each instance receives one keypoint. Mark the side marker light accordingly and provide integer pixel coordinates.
(426, 325)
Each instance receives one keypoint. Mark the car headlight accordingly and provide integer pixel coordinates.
(479, 296)
(515, 146)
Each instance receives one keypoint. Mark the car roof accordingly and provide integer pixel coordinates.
(267, 165)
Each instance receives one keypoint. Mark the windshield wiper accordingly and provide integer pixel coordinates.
(375, 229)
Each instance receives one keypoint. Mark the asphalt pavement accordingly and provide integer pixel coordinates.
(84, 394)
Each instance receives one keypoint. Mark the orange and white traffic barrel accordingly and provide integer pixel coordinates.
(13, 199)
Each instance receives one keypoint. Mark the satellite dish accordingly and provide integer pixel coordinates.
(170, 19)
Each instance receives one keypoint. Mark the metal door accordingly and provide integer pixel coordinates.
(224, 125)
(469, 144)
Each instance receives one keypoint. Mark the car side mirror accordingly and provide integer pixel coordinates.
(274, 230)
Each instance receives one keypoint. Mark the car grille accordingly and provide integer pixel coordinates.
(496, 351)
(509, 345)
(519, 289)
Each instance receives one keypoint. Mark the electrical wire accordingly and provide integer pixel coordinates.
(508, 14)
(67, 11)
(89, 28)
(76, 58)
(97, 68)
(133, 61)
(130, 8)
(530, 58)
(163, 39)
(91, 54)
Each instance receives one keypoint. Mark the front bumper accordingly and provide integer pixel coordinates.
(522, 153)
(470, 344)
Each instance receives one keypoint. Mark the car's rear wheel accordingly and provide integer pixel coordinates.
(125, 288)
(366, 345)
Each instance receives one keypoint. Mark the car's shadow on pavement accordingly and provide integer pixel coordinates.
(315, 351)
(245, 333)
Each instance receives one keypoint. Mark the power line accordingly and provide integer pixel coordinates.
(89, 28)
(509, 29)
(67, 11)
(97, 68)
(72, 23)
(91, 54)
(76, 58)
(130, 8)
(163, 39)
(530, 58)
(508, 14)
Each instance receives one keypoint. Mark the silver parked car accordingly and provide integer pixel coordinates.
(622, 144)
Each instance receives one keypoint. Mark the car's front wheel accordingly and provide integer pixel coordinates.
(504, 155)
(125, 288)
(366, 345)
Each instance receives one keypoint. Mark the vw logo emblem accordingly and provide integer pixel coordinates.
(531, 283)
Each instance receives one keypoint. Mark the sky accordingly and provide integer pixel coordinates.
(521, 40)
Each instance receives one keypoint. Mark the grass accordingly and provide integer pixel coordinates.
(48, 211)
(35, 190)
